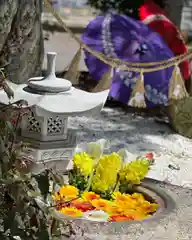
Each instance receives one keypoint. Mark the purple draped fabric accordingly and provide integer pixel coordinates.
(118, 36)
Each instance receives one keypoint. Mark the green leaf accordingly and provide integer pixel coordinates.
(2, 236)
(58, 179)
(10, 127)
(2, 145)
(8, 220)
(34, 194)
(19, 222)
(5, 159)
(43, 183)
(49, 199)
(54, 226)
(34, 184)
(43, 233)
(8, 91)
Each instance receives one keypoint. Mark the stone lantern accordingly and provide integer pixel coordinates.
(53, 100)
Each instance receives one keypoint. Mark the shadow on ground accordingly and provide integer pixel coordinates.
(123, 129)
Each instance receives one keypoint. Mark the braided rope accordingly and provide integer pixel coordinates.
(117, 63)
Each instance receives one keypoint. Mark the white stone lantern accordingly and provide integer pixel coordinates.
(52, 101)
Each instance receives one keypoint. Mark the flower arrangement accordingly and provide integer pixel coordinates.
(101, 186)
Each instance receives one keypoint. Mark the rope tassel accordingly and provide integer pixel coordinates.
(177, 88)
(138, 95)
(73, 71)
(105, 82)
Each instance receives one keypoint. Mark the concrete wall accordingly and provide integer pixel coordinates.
(186, 23)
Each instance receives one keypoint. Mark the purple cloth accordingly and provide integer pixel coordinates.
(118, 36)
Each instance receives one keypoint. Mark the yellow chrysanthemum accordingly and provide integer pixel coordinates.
(127, 205)
(132, 205)
(147, 207)
(66, 193)
(114, 209)
(101, 204)
(138, 196)
(71, 211)
(84, 163)
(106, 172)
(90, 196)
(137, 215)
(134, 172)
(56, 196)
(117, 196)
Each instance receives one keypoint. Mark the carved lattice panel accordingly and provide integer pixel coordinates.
(54, 125)
(33, 124)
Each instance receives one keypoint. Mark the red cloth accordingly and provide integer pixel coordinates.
(152, 15)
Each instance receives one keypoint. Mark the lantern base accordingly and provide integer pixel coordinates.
(51, 154)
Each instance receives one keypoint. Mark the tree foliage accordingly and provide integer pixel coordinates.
(128, 7)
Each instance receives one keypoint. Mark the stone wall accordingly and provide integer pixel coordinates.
(21, 42)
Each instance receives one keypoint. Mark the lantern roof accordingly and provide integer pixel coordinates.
(56, 95)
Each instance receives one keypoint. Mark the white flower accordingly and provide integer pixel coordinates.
(98, 216)
(95, 149)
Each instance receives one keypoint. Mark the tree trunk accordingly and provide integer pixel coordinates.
(21, 41)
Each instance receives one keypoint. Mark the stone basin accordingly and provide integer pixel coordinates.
(103, 231)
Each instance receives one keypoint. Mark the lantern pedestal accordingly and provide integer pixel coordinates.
(52, 154)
